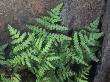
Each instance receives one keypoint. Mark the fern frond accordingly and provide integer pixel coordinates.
(64, 73)
(53, 58)
(83, 74)
(87, 48)
(55, 13)
(36, 29)
(25, 44)
(77, 45)
(50, 23)
(93, 27)
(47, 47)
(2, 54)
(13, 78)
(57, 9)
(2, 48)
(25, 58)
(59, 37)
(50, 26)
(56, 27)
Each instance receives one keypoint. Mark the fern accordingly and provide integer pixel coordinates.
(34, 54)
(50, 23)
(54, 16)
(2, 55)
(64, 73)
(85, 41)
(14, 78)
(48, 52)
(82, 75)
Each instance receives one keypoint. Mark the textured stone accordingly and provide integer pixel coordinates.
(78, 13)
(103, 74)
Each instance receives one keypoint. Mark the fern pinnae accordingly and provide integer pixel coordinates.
(55, 18)
(21, 46)
(47, 47)
(95, 23)
(39, 43)
(13, 32)
(77, 44)
(36, 29)
(42, 22)
(96, 36)
(89, 40)
(53, 58)
(57, 9)
(25, 44)
(82, 76)
(20, 39)
(56, 27)
(83, 43)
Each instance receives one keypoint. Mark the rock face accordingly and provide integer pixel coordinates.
(104, 71)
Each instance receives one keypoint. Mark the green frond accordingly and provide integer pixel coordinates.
(50, 23)
(57, 9)
(50, 26)
(2, 48)
(2, 55)
(96, 36)
(25, 44)
(36, 30)
(94, 24)
(13, 32)
(53, 19)
(83, 74)
(86, 48)
(19, 40)
(77, 45)
(55, 13)
(56, 27)
(53, 58)
(83, 43)
(13, 78)
(93, 27)
(59, 37)
(25, 58)
(47, 47)
(64, 73)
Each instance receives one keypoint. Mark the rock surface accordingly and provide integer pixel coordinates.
(103, 74)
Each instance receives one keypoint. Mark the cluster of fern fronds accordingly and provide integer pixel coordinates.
(49, 54)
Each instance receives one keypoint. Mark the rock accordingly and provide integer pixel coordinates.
(103, 74)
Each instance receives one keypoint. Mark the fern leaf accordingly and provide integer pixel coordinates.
(82, 76)
(77, 44)
(57, 9)
(47, 47)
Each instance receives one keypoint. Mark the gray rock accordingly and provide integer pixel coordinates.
(103, 74)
